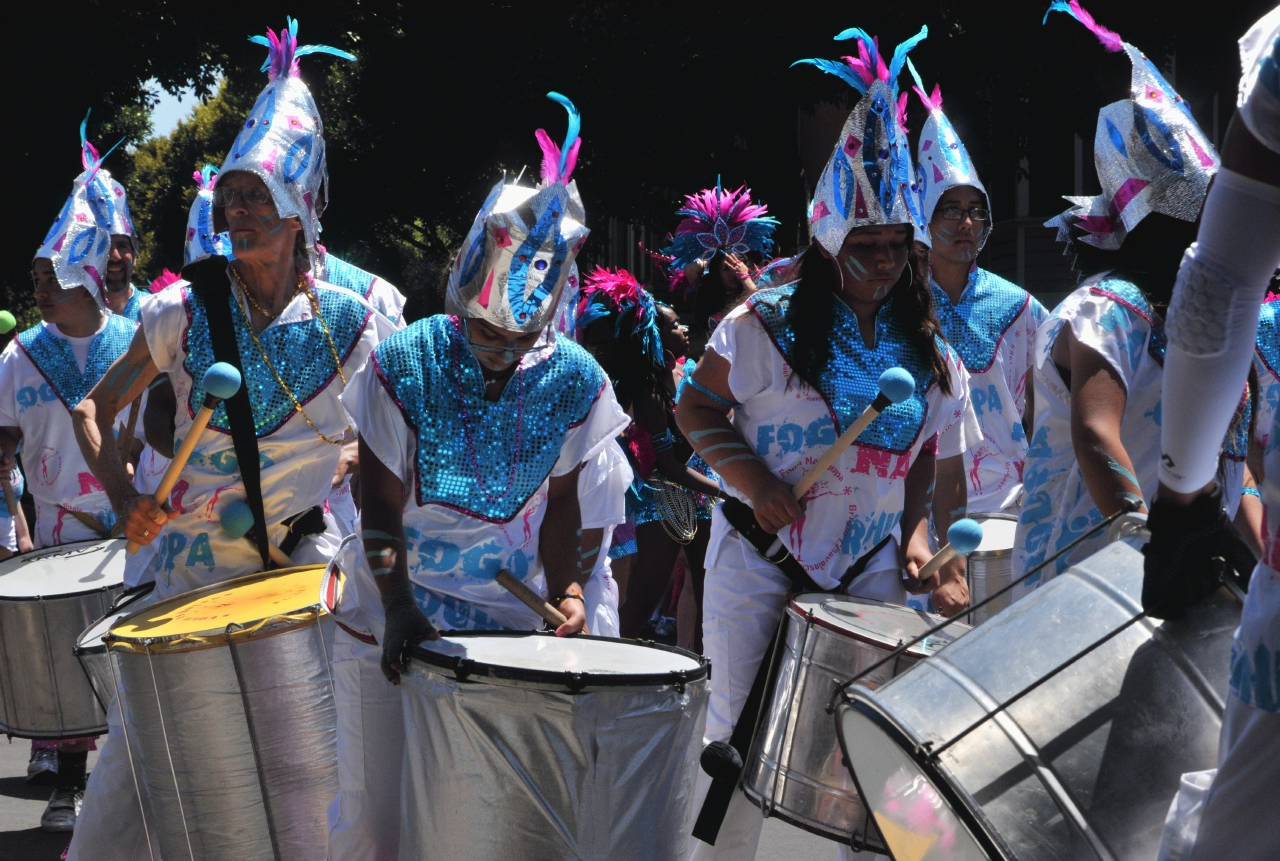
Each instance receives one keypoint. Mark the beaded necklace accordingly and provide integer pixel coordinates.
(466, 426)
(346, 433)
(244, 288)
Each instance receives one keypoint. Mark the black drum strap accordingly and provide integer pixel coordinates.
(716, 805)
(209, 279)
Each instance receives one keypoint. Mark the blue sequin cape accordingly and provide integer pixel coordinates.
(975, 326)
(483, 458)
(54, 360)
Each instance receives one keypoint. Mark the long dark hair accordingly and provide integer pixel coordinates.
(811, 314)
(712, 298)
(631, 370)
(1149, 256)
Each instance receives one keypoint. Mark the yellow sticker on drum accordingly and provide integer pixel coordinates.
(242, 602)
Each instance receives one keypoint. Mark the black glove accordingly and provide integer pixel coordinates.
(406, 626)
(1193, 549)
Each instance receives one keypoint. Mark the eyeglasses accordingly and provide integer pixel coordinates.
(253, 196)
(509, 348)
(955, 213)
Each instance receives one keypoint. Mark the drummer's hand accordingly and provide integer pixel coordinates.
(143, 518)
(914, 555)
(406, 626)
(952, 593)
(25, 544)
(774, 505)
(575, 612)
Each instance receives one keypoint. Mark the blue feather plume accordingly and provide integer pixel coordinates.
(575, 126)
(900, 55)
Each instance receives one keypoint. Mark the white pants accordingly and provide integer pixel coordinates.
(743, 600)
(110, 824)
(364, 818)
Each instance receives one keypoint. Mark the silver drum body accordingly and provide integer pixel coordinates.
(1057, 731)
(47, 597)
(91, 649)
(234, 729)
(990, 567)
(527, 745)
(795, 770)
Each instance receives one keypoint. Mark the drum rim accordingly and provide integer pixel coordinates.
(49, 551)
(573, 682)
(205, 637)
(858, 699)
(913, 652)
(124, 599)
(993, 554)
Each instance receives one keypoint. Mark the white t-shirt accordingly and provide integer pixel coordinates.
(297, 466)
(456, 545)
(602, 497)
(993, 329)
(41, 381)
(788, 425)
(1112, 317)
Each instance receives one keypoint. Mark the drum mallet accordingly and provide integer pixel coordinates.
(963, 538)
(896, 385)
(237, 520)
(530, 598)
(220, 382)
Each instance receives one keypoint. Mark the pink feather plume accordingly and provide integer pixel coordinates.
(1109, 38)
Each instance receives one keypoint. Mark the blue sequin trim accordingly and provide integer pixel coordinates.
(852, 378)
(133, 308)
(298, 351)
(1269, 338)
(54, 360)
(1128, 295)
(435, 379)
(342, 274)
(975, 326)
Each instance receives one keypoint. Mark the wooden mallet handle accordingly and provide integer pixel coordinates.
(963, 537)
(530, 598)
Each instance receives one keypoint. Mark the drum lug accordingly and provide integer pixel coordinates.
(677, 682)
(462, 670)
(575, 682)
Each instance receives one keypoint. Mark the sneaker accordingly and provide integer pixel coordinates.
(64, 807)
(43, 767)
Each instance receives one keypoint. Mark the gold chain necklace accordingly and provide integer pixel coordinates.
(279, 380)
(244, 288)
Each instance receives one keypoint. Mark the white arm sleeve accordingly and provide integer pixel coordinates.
(1213, 323)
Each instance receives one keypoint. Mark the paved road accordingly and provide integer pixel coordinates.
(22, 840)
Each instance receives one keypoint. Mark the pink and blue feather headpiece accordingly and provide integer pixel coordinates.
(107, 198)
(521, 248)
(1150, 154)
(715, 221)
(942, 162)
(869, 179)
(282, 141)
(202, 240)
(616, 291)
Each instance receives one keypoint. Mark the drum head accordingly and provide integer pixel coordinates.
(242, 602)
(876, 622)
(571, 663)
(68, 569)
(128, 603)
(997, 536)
(917, 811)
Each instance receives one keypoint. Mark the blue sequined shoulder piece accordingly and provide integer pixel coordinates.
(133, 308)
(985, 312)
(852, 378)
(1127, 295)
(1269, 337)
(483, 458)
(299, 352)
(54, 360)
(340, 273)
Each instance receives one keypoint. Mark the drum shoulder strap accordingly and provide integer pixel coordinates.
(208, 278)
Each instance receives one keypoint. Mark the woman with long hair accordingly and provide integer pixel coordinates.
(637, 341)
(783, 375)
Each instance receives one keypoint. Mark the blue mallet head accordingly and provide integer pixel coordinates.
(221, 381)
(897, 384)
(236, 519)
(965, 535)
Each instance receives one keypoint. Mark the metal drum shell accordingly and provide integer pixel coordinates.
(795, 770)
(1085, 765)
(92, 653)
(44, 693)
(235, 735)
(500, 766)
(989, 570)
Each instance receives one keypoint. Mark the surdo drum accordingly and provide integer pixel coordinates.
(529, 745)
(229, 713)
(91, 647)
(1057, 731)
(795, 770)
(990, 567)
(47, 598)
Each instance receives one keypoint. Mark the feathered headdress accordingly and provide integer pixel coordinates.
(282, 141)
(1150, 154)
(715, 221)
(202, 239)
(869, 179)
(521, 248)
(615, 292)
(106, 197)
(942, 162)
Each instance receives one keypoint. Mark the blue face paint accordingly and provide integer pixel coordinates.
(270, 215)
(273, 231)
(857, 272)
(378, 572)
(376, 534)
(1117, 468)
(697, 435)
(960, 512)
